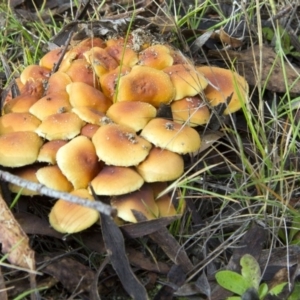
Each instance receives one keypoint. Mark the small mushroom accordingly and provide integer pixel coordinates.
(78, 161)
(18, 122)
(57, 83)
(36, 72)
(100, 60)
(172, 136)
(134, 114)
(113, 180)
(192, 111)
(19, 148)
(120, 146)
(51, 104)
(142, 201)
(145, 84)
(122, 53)
(67, 217)
(109, 80)
(223, 84)
(82, 94)
(52, 177)
(156, 56)
(20, 104)
(186, 80)
(161, 165)
(48, 151)
(50, 59)
(61, 126)
(27, 173)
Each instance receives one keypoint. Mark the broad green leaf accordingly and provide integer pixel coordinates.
(250, 270)
(263, 290)
(234, 298)
(232, 281)
(276, 290)
(296, 292)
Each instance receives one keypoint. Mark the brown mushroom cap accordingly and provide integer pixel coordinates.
(81, 71)
(32, 87)
(89, 130)
(82, 94)
(190, 110)
(27, 173)
(18, 122)
(91, 115)
(62, 126)
(57, 83)
(51, 58)
(141, 201)
(161, 165)
(156, 56)
(120, 146)
(67, 217)
(112, 181)
(171, 136)
(52, 177)
(78, 161)
(134, 114)
(36, 72)
(224, 83)
(19, 149)
(51, 104)
(109, 80)
(101, 61)
(20, 104)
(186, 80)
(121, 53)
(92, 42)
(48, 151)
(145, 84)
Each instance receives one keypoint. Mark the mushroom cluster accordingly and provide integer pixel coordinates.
(94, 122)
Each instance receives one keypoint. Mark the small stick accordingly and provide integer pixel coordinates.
(40, 188)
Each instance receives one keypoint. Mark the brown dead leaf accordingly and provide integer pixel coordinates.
(15, 242)
(272, 73)
(225, 38)
(138, 259)
(72, 274)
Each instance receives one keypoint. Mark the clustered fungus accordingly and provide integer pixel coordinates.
(93, 123)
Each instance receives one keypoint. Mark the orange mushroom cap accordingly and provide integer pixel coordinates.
(190, 110)
(186, 80)
(156, 56)
(48, 151)
(141, 200)
(113, 180)
(171, 136)
(51, 104)
(51, 58)
(101, 61)
(146, 84)
(27, 173)
(82, 94)
(161, 165)
(223, 83)
(67, 217)
(52, 177)
(19, 149)
(61, 126)
(78, 161)
(36, 72)
(18, 122)
(134, 114)
(120, 146)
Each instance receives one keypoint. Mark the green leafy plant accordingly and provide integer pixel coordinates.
(248, 281)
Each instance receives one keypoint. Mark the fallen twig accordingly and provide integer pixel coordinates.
(99, 206)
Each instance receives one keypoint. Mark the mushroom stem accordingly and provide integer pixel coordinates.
(99, 206)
